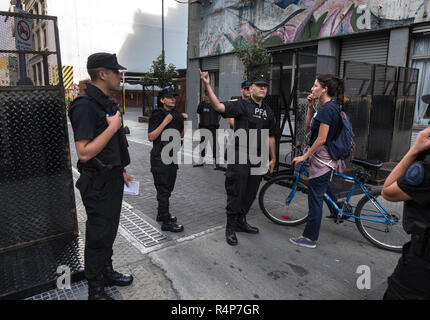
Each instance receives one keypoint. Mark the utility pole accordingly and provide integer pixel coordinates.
(162, 33)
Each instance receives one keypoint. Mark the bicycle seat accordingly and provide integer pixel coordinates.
(367, 164)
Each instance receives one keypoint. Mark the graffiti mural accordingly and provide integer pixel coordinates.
(228, 22)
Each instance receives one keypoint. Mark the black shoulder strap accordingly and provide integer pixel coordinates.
(338, 108)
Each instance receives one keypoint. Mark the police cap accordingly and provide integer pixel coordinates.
(104, 60)
(260, 79)
(167, 92)
(426, 98)
(246, 84)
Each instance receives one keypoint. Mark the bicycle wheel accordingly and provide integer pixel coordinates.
(283, 205)
(379, 232)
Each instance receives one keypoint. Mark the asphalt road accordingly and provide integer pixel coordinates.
(199, 264)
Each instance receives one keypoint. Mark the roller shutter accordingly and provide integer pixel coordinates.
(369, 48)
(211, 63)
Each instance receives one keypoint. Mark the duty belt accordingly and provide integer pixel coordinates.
(421, 246)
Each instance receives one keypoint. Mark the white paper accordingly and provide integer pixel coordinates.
(133, 189)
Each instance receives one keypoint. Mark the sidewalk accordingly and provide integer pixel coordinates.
(198, 264)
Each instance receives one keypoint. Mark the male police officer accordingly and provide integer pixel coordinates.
(163, 118)
(101, 146)
(244, 94)
(410, 182)
(209, 120)
(241, 185)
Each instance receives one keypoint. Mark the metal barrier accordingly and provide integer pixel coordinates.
(38, 215)
(380, 101)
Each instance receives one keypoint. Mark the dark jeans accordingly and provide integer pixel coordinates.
(103, 207)
(241, 188)
(164, 181)
(317, 188)
(411, 277)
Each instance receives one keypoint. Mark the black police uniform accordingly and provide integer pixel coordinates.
(209, 121)
(101, 183)
(241, 186)
(411, 278)
(164, 174)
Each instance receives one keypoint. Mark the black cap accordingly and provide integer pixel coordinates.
(104, 60)
(246, 84)
(167, 92)
(260, 79)
(426, 98)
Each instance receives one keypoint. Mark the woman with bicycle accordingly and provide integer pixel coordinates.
(323, 123)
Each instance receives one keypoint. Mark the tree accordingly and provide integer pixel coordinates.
(160, 74)
(251, 54)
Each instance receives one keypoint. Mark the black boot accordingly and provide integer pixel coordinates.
(172, 227)
(230, 234)
(243, 226)
(113, 278)
(96, 290)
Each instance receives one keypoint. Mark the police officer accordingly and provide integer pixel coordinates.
(163, 118)
(410, 182)
(242, 182)
(101, 146)
(208, 119)
(244, 94)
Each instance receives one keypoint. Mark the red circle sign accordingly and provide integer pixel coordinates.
(23, 30)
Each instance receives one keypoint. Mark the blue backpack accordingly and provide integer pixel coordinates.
(342, 145)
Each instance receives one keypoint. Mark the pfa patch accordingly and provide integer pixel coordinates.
(415, 174)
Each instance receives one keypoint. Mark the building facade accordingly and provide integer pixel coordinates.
(387, 32)
(41, 68)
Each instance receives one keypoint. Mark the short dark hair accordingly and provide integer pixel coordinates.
(333, 83)
(94, 73)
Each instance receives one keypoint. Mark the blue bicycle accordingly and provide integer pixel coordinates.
(283, 199)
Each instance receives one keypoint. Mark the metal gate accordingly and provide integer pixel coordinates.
(380, 101)
(38, 218)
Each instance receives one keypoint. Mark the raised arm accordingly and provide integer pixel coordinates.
(88, 149)
(218, 106)
(153, 135)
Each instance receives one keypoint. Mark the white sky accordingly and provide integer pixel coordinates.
(130, 28)
(4, 5)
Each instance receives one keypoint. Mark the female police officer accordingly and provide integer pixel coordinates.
(163, 118)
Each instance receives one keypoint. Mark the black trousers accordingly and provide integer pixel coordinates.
(411, 277)
(241, 188)
(213, 143)
(164, 181)
(103, 207)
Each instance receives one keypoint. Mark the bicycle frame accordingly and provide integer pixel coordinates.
(357, 182)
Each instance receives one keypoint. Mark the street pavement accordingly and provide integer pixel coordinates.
(199, 264)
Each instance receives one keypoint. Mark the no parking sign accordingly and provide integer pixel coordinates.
(23, 33)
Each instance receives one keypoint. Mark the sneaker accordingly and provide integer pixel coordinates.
(303, 242)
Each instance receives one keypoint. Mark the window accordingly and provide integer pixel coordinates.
(39, 73)
(45, 39)
(34, 74)
(421, 61)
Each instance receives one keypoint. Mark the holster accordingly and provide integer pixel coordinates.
(93, 171)
(421, 241)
